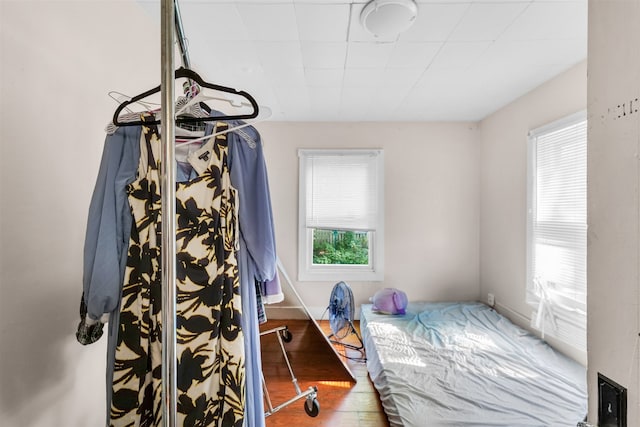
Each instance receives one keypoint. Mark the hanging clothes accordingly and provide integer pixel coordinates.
(106, 243)
(209, 336)
(257, 256)
(110, 222)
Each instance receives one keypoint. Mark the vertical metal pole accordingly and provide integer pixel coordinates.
(168, 191)
(182, 40)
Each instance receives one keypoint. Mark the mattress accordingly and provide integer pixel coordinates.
(463, 364)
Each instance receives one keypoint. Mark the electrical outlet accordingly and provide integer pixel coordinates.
(491, 300)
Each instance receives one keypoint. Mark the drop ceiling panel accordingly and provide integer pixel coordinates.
(364, 77)
(486, 21)
(435, 22)
(324, 77)
(549, 21)
(242, 55)
(357, 99)
(322, 22)
(282, 77)
(401, 79)
(313, 60)
(413, 54)
(459, 55)
(218, 22)
(324, 55)
(279, 54)
(369, 55)
(269, 22)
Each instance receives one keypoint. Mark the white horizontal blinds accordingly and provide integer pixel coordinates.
(342, 190)
(557, 287)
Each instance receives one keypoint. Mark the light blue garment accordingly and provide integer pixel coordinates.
(109, 223)
(257, 254)
(109, 228)
(107, 237)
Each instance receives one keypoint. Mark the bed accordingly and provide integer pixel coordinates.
(463, 364)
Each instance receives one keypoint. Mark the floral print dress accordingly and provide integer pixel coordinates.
(210, 347)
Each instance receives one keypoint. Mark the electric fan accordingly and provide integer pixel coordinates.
(341, 313)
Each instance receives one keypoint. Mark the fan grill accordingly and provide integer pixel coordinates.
(341, 315)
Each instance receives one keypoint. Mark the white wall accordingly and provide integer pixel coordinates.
(431, 214)
(503, 188)
(53, 109)
(614, 216)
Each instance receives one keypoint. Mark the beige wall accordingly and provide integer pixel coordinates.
(53, 110)
(455, 216)
(431, 213)
(503, 188)
(614, 216)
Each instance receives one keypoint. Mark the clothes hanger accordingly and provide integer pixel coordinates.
(191, 75)
(120, 97)
(199, 100)
(229, 129)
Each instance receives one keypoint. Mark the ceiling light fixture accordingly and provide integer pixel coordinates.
(388, 17)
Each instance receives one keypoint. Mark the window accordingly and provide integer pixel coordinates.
(557, 230)
(341, 215)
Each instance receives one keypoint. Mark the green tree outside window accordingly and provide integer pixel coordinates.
(340, 247)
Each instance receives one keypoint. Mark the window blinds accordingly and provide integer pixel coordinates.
(342, 190)
(557, 280)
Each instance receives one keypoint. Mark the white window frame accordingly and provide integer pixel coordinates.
(553, 314)
(307, 271)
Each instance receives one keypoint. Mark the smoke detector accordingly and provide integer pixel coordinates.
(388, 17)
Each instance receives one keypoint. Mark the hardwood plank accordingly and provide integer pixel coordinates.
(342, 402)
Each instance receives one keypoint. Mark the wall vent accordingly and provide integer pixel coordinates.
(612, 403)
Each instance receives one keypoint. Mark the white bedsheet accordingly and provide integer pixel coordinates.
(453, 364)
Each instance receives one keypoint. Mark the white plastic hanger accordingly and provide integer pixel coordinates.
(258, 119)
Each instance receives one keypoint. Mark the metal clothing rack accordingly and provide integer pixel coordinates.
(170, 25)
(168, 192)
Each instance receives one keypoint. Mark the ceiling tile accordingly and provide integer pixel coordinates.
(458, 55)
(312, 60)
(505, 53)
(257, 1)
(220, 22)
(363, 77)
(357, 98)
(269, 22)
(413, 54)
(324, 55)
(293, 98)
(279, 54)
(239, 54)
(324, 101)
(323, 22)
(324, 77)
(326, 1)
(435, 22)
(550, 20)
(368, 55)
(402, 79)
(281, 77)
(486, 21)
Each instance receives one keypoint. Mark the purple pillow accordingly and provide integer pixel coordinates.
(389, 301)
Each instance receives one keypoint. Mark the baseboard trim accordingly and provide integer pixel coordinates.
(297, 312)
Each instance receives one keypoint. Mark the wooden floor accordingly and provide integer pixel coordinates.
(342, 402)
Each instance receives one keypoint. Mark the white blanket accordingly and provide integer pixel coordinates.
(463, 364)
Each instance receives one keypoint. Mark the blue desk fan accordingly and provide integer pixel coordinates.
(341, 314)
